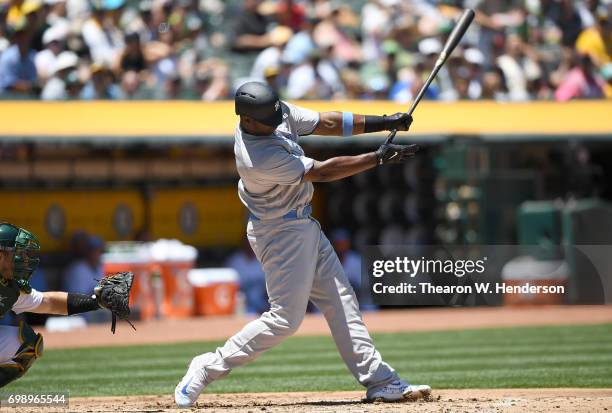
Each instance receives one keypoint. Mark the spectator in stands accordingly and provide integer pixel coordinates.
(81, 274)
(168, 49)
(317, 77)
(14, 14)
(4, 41)
(74, 86)
(291, 14)
(596, 41)
(582, 82)
(17, 10)
(271, 56)
(101, 86)
(331, 32)
(564, 14)
(518, 68)
(494, 17)
(57, 14)
(587, 10)
(272, 78)
(606, 73)
(475, 61)
(132, 67)
(250, 29)
(409, 81)
(57, 87)
(374, 28)
(132, 57)
(493, 85)
(212, 80)
(102, 36)
(252, 279)
(172, 87)
(17, 67)
(53, 42)
(78, 244)
(193, 47)
(130, 85)
(299, 47)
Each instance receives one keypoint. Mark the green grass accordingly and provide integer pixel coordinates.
(572, 356)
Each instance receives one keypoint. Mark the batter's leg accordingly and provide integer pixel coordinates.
(333, 295)
(288, 252)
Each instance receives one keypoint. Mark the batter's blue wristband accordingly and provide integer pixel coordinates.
(347, 123)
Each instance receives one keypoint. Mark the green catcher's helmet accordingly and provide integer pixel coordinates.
(25, 246)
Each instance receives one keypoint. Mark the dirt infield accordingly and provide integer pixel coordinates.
(482, 400)
(443, 401)
(418, 319)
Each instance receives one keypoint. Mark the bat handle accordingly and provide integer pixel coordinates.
(391, 136)
(394, 131)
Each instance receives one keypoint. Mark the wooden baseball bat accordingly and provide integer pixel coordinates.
(453, 40)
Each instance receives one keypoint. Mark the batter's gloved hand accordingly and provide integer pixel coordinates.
(113, 293)
(400, 121)
(391, 153)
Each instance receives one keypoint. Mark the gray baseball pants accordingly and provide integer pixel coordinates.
(300, 265)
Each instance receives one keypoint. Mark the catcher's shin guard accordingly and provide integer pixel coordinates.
(31, 348)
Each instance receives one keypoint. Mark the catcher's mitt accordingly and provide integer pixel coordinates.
(113, 293)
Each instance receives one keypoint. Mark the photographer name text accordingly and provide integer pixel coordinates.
(479, 288)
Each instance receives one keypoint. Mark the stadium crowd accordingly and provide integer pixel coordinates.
(516, 50)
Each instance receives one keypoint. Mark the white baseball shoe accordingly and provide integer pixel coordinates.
(399, 390)
(191, 385)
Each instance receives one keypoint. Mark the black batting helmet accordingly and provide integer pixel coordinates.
(260, 102)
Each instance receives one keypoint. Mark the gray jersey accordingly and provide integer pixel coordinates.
(271, 168)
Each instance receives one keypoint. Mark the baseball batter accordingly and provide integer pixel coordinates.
(21, 346)
(298, 260)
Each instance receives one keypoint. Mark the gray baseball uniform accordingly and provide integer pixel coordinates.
(298, 259)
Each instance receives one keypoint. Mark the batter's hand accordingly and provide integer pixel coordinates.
(400, 121)
(391, 153)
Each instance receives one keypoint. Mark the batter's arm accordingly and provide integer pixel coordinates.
(340, 167)
(343, 166)
(348, 124)
(330, 124)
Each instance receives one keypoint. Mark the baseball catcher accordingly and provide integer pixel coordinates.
(21, 346)
(299, 262)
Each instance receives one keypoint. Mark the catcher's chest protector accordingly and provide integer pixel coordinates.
(9, 293)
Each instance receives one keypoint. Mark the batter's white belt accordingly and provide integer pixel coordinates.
(301, 212)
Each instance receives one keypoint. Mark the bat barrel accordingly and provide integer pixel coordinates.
(453, 40)
(456, 34)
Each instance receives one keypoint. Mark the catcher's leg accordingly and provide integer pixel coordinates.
(19, 348)
(288, 252)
